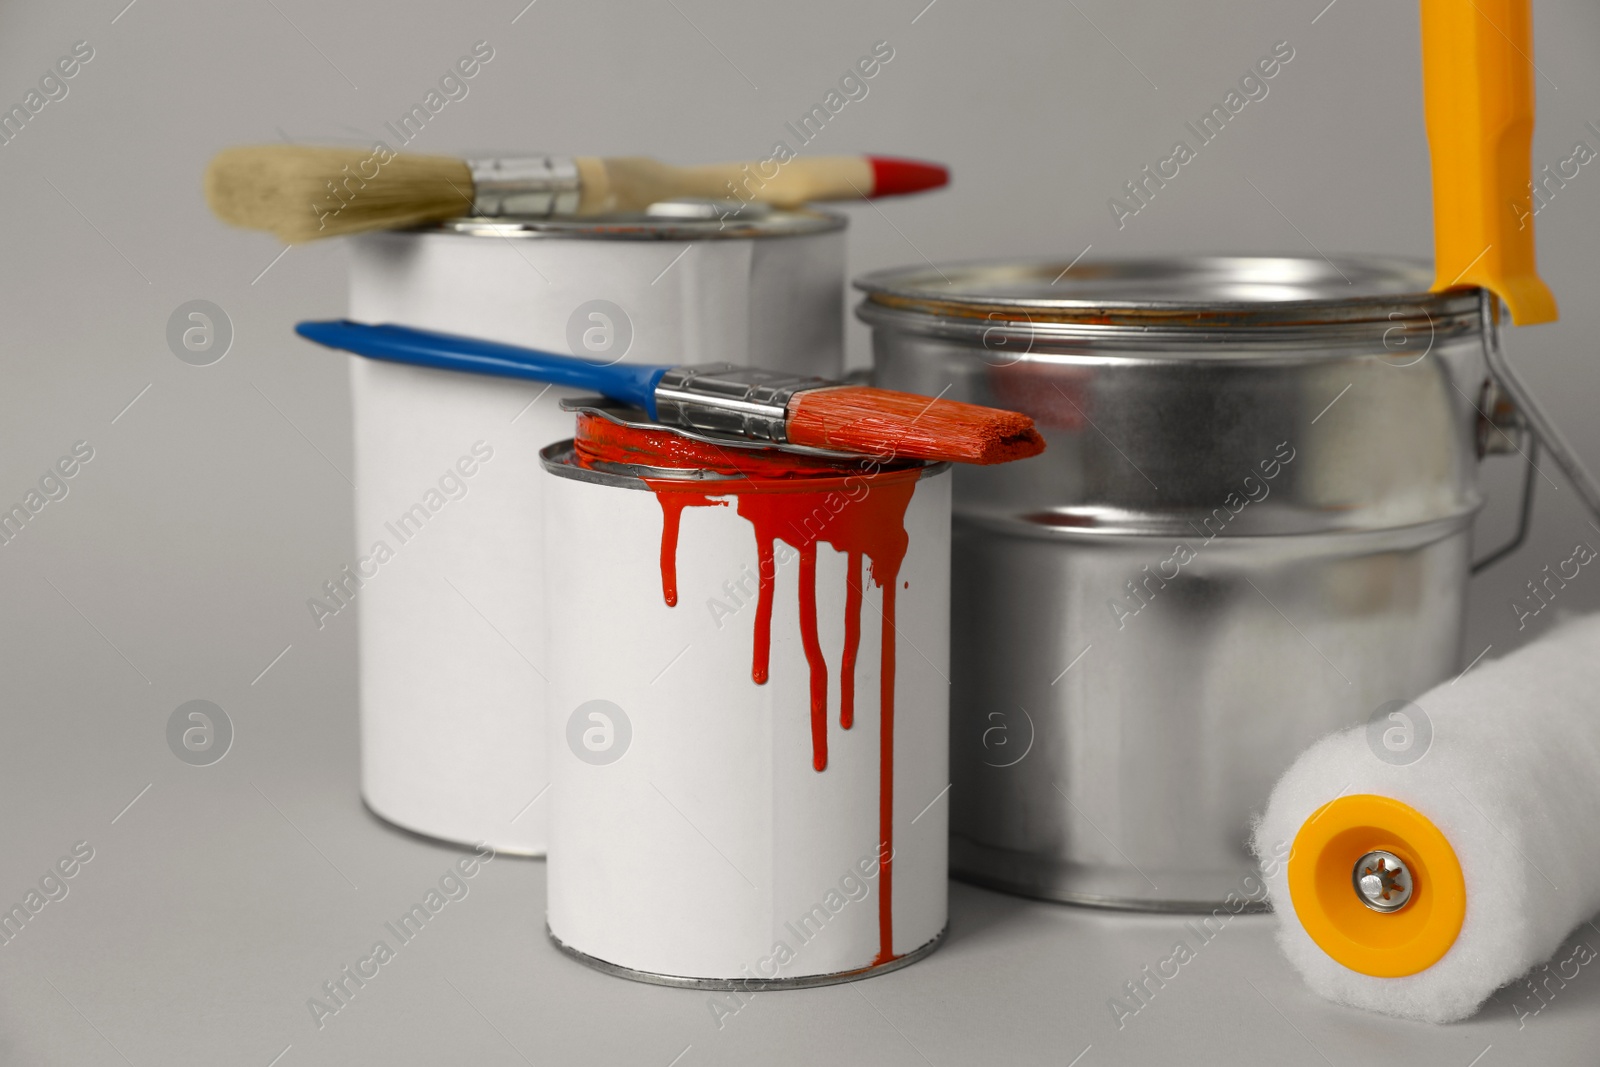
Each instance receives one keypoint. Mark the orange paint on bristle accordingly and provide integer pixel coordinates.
(855, 418)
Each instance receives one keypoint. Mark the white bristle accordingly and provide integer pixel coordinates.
(301, 193)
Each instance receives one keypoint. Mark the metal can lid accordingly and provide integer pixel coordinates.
(1171, 293)
(623, 444)
(696, 207)
(676, 220)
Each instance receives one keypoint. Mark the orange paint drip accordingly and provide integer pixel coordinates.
(767, 580)
(814, 659)
(852, 641)
(886, 784)
(672, 505)
(870, 526)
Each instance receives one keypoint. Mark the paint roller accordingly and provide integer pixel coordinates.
(1450, 845)
(1427, 871)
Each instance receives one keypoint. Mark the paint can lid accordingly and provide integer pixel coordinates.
(1166, 296)
(620, 441)
(671, 220)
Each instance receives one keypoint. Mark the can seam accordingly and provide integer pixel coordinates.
(432, 838)
(1410, 533)
(640, 228)
(748, 985)
(1091, 900)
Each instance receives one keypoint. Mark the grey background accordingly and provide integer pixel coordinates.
(178, 566)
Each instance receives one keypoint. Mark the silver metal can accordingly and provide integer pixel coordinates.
(1251, 528)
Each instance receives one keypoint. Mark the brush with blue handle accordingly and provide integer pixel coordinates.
(761, 405)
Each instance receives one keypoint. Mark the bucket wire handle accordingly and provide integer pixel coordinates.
(1544, 429)
(1525, 519)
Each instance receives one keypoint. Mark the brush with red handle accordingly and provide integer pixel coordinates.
(760, 405)
(302, 192)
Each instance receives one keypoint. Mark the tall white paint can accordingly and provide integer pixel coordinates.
(452, 662)
(749, 728)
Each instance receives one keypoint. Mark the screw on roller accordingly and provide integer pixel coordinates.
(1382, 881)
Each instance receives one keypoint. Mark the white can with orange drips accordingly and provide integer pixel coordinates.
(749, 725)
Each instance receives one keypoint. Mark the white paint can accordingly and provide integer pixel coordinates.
(749, 727)
(453, 665)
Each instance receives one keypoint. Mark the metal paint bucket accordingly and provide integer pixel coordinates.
(1251, 528)
(453, 664)
(749, 726)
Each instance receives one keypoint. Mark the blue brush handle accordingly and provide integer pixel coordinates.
(627, 382)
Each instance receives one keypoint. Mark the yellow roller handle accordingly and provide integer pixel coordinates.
(1477, 82)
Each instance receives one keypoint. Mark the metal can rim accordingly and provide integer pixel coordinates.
(557, 458)
(783, 223)
(1016, 340)
(1305, 533)
(1395, 293)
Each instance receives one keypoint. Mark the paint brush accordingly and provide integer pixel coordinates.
(760, 405)
(302, 192)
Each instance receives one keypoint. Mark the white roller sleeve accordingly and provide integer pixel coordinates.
(1512, 779)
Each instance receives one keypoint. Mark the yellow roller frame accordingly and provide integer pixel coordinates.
(1384, 945)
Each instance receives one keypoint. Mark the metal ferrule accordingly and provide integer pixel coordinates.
(724, 398)
(527, 187)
